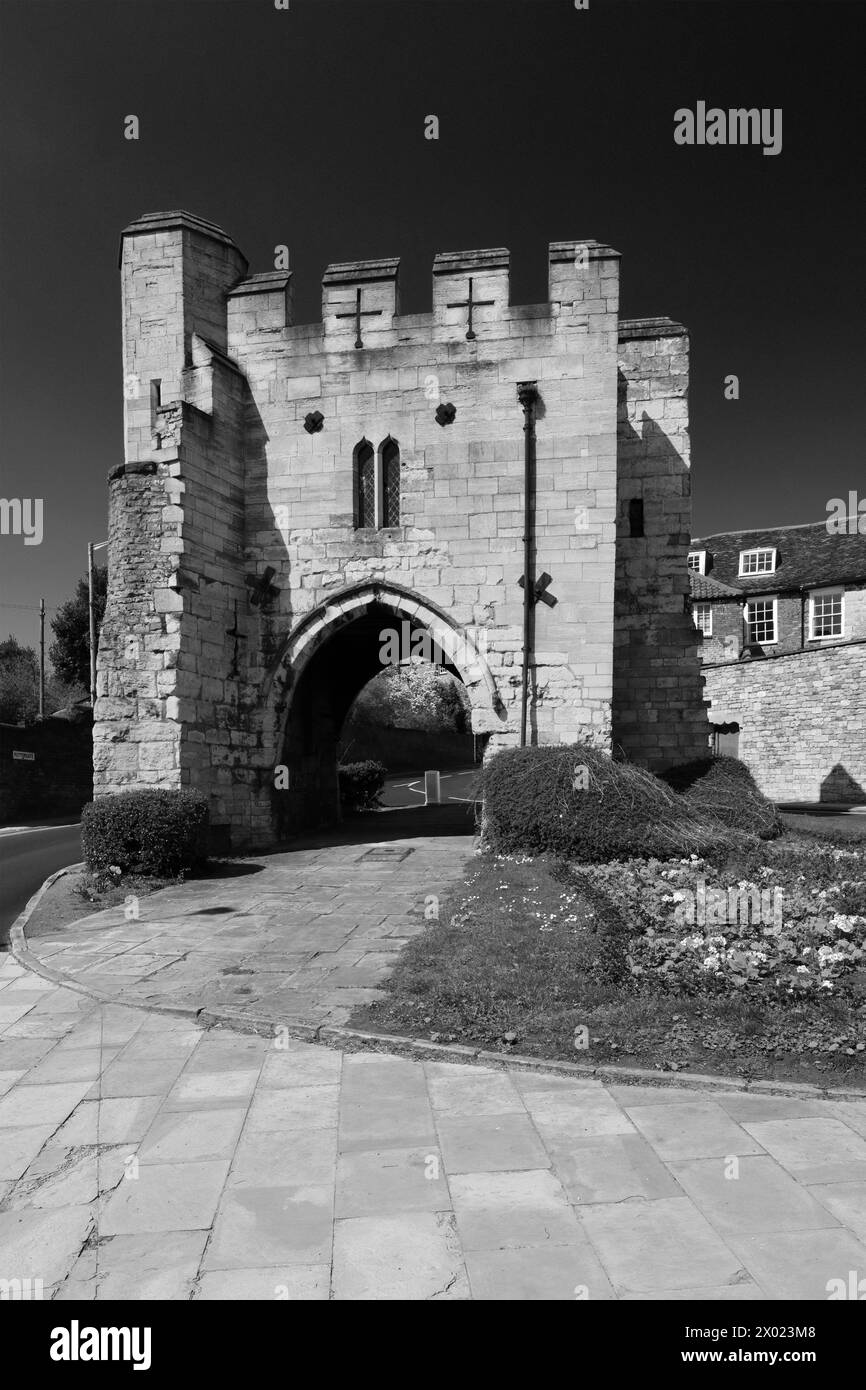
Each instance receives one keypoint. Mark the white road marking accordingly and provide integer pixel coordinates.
(35, 829)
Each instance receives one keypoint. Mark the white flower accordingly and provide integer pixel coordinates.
(846, 923)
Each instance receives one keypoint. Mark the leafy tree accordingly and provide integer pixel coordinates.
(419, 695)
(70, 652)
(19, 683)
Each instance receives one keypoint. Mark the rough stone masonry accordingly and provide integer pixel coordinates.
(251, 571)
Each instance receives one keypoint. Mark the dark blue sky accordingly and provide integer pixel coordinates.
(306, 128)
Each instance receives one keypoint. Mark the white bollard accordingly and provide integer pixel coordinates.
(432, 794)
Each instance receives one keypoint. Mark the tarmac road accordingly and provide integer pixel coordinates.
(28, 854)
(407, 788)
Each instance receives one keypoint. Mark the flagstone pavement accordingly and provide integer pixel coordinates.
(297, 937)
(144, 1157)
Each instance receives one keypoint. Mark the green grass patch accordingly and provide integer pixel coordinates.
(585, 963)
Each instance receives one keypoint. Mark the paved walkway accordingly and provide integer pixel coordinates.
(143, 1157)
(299, 937)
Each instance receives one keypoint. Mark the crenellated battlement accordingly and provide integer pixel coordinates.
(361, 299)
(471, 297)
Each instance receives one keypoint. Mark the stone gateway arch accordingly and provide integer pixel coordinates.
(289, 492)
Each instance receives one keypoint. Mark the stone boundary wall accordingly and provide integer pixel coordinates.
(802, 720)
(59, 780)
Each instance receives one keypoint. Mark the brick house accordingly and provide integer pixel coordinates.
(782, 613)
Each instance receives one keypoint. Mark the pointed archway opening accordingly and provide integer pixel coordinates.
(324, 669)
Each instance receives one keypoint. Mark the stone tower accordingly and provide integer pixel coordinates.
(291, 492)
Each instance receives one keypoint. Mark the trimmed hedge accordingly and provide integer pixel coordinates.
(535, 802)
(151, 832)
(725, 789)
(361, 783)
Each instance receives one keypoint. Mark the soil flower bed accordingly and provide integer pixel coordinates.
(754, 966)
(771, 932)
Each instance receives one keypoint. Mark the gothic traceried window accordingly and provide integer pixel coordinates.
(390, 483)
(377, 484)
(365, 485)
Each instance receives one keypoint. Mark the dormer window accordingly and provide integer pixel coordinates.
(697, 561)
(760, 561)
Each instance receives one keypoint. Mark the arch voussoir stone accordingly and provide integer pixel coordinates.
(337, 612)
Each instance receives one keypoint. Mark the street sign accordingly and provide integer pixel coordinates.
(20, 757)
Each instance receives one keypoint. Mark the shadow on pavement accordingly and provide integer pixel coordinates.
(228, 868)
(372, 827)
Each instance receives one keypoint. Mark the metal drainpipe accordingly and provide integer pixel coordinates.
(527, 394)
(803, 621)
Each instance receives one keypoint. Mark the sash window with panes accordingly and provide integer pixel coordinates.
(761, 621)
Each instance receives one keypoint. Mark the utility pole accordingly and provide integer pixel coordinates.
(91, 616)
(42, 658)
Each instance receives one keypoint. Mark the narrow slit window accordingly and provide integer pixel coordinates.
(390, 483)
(635, 516)
(365, 485)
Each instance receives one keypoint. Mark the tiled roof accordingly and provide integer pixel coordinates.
(807, 557)
(704, 586)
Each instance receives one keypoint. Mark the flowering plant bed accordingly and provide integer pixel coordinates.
(768, 928)
(754, 965)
